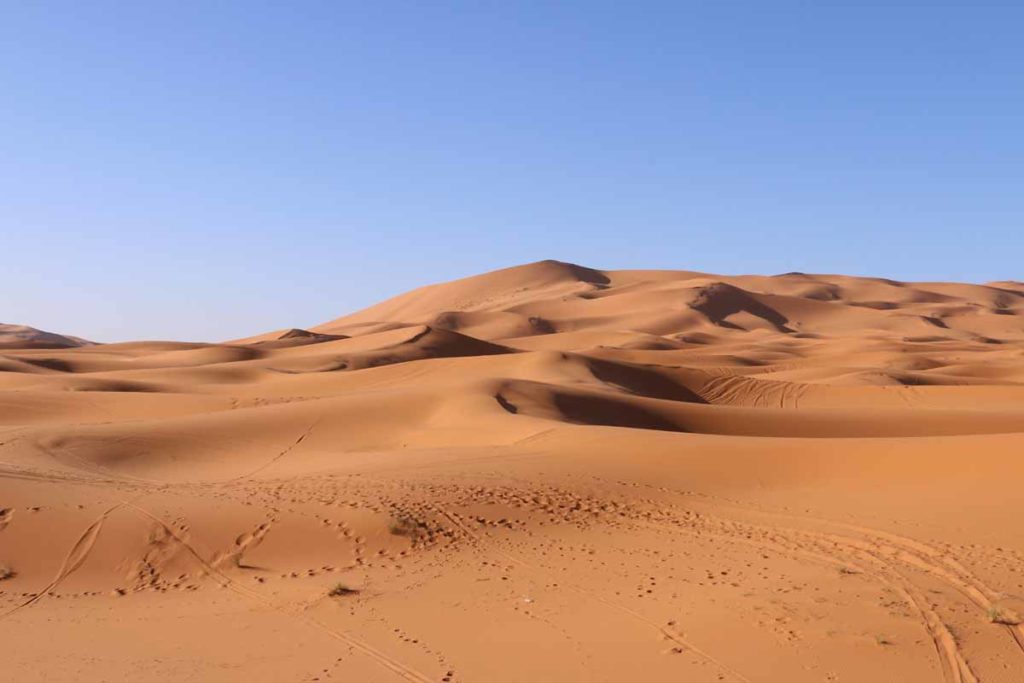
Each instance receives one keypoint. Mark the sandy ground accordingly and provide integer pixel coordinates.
(546, 473)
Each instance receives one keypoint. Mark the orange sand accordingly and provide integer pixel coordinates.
(545, 473)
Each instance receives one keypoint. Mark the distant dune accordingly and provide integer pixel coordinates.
(548, 472)
(24, 337)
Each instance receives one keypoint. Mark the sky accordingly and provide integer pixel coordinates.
(210, 170)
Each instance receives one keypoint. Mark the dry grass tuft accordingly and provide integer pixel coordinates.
(405, 526)
(341, 590)
(1002, 615)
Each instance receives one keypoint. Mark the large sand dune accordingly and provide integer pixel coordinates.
(544, 473)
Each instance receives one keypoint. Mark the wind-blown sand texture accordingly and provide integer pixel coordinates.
(545, 473)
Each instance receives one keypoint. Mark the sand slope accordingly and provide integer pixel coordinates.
(548, 472)
(25, 337)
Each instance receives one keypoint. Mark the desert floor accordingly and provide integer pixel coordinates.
(545, 473)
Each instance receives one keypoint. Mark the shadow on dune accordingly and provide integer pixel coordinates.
(720, 300)
(642, 381)
(596, 410)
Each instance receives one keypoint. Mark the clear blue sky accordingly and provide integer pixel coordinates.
(207, 170)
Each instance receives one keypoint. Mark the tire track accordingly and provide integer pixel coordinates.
(406, 672)
(286, 451)
(74, 557)
(844, 552)
(891, 550)
(677, 638)
(951, 661)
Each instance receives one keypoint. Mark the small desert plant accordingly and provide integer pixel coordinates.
(882, 640)
(404, 526)
(6, 572)
(341, 590)
(1001, 615)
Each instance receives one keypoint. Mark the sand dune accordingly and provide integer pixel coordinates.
(548, 472)
(24, 337)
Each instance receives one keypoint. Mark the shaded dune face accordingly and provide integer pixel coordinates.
(799, 477)
(718, 301)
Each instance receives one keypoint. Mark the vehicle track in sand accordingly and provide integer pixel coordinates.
(288, 449)
(74, 557)
(395, 666)
(668, 634)
(889, 559)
